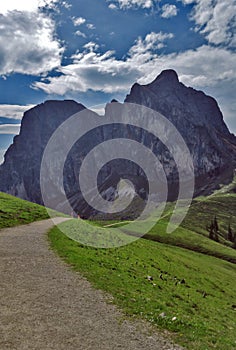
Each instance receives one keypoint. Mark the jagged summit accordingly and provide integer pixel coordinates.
(179, 103)
(167, 77)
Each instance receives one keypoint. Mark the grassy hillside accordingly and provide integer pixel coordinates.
(190, 294)
(203, 210)
(193, 232)
(15, 211)
(222, 204)
(191, 240)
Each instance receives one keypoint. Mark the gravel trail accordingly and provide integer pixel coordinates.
(44, 305)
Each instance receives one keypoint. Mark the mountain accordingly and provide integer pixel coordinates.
(200, 122)
(196, 116)
(19, 174)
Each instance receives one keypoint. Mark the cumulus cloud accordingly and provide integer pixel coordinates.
(90, 46)
(91, 70)
(103, 72)
(78, 21)
(79, 33)
(169, 11)
(24, 5)
(113, 7)
(216, 20)
(28, 44)
(147, 45)
(13, 111)
(124, 4)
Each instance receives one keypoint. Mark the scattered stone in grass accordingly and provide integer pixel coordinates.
(174, 318)
(149, 278)
(162, 315)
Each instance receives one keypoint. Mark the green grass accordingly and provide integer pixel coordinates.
(203, 210)
(193, 235)
(185, 238)
(15, 211)
(197, 289)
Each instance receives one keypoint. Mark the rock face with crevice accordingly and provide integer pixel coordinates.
(195, 115)
(200, 122)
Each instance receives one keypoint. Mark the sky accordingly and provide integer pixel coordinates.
(94, 50)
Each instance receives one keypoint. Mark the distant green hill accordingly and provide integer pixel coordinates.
(193, 233)
(15, 211)
(222, 204)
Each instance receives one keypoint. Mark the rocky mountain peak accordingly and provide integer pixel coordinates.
(182, 105)
(167, 77)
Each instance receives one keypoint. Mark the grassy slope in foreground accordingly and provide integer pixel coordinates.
(15, 211)
(197, 289)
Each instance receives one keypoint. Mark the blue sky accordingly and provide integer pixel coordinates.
(94, 50)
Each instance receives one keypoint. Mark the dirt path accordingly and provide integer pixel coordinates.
(44, 305)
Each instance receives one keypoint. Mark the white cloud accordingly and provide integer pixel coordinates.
(2, 152)
(78, 21)
(123, 4)
(103, 72)
(215, 20)
(13, 111)
(24, 5)
(10, 129)
(91, 46)
(90, 26)
(66, 5)
(169, 11)
(79, 33)
(113, 7)
(28, 44)
(146, 46)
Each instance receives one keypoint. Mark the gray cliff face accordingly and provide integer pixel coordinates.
(196, 116)
(19, 174)
(200, 122)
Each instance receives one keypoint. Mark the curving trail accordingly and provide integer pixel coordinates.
(44, 305)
